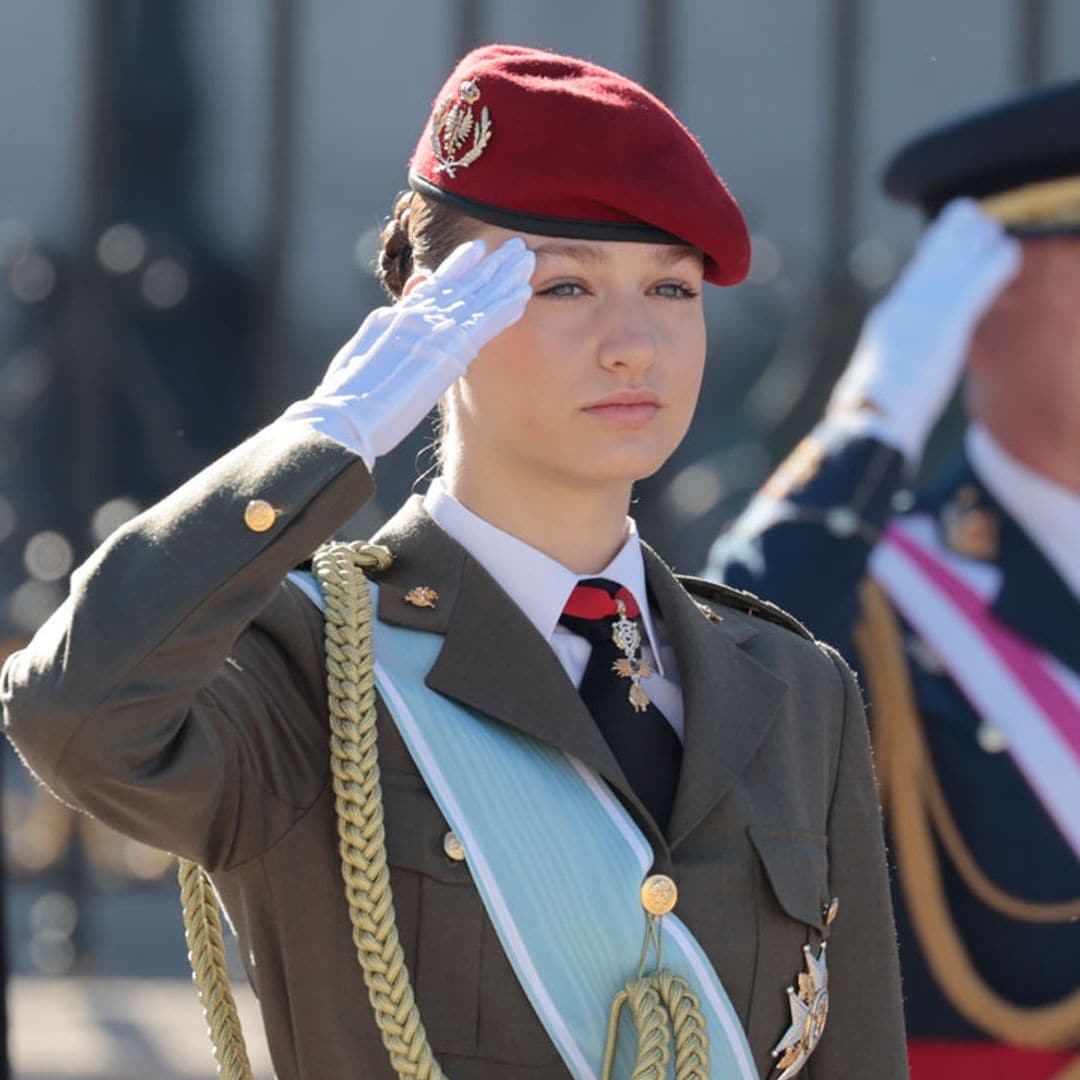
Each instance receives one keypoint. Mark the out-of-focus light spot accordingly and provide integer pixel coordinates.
(366, 249)
(31, 604)
(766, 260)
(51, 956)
(56, 912)
(145, 863)
(8, 517)
(872, 264)
(16, 239)
(164, 283)
(53, 919)
(695, 490)
(23, 379)
(109, 516)
(121, 248)
(48, 556)
(32, 277)
(903, 501)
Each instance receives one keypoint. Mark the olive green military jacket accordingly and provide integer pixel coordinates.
(179, 695)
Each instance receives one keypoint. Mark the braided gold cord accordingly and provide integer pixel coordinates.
(642, 998)
(691, 1039)
(206, 952)
(354, 762)
(660, 1004)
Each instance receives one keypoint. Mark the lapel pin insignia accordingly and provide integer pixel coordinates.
(712, 616)
(809, 1010)
(422, 596)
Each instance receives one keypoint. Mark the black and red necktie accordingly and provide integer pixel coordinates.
(614, 689)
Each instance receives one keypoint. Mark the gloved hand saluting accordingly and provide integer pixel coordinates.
(913, 344)
(384, 381)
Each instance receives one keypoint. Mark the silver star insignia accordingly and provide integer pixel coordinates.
(809, 1009)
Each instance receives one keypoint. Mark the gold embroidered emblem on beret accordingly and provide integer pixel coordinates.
(452, 126)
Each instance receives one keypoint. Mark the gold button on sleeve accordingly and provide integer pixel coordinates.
(659, 894)
(259, 515)
(452, 846)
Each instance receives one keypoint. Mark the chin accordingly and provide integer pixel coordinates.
(623, 466)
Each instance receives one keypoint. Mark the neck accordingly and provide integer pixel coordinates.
(582, 528)
(1041, 450)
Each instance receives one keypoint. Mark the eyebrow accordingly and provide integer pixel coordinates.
(668, 254)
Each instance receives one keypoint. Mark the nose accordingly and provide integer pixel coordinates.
(628, 341)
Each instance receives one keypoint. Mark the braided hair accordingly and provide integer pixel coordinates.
(419, 233)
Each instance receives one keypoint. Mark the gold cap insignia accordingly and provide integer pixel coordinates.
(453, 124)
(809, 1010)
(423, 596)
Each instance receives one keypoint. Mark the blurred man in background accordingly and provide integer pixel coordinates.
(961, 605)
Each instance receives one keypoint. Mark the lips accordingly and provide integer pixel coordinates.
(626, 407)
(627, 414)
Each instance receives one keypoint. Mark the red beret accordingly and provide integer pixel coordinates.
(548, 144)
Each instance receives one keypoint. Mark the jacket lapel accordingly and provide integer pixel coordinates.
(492, 660)
(1033, 599)
(729, 699)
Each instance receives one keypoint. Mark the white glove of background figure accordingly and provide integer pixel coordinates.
(913, 344)
(404, 357)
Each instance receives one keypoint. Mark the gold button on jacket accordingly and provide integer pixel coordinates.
(259, 515)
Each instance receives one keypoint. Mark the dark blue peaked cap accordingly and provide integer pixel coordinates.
(1020, 158)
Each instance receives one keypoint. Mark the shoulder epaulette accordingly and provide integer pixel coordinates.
(742, 600)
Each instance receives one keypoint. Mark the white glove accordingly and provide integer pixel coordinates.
(913, 344)
(384, 381)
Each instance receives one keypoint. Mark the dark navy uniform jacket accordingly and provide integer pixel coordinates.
(804, 543)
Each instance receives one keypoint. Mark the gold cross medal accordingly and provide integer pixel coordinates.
(627, 638)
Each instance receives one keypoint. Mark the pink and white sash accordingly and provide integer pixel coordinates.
(1028, 695)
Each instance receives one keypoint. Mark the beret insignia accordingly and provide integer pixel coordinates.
(451, 126)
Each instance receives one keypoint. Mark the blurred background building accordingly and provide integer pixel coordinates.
(190, 198)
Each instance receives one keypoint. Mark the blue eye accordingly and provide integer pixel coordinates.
(674, 290)
(564, 289)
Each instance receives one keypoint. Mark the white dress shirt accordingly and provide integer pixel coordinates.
(540, 587)
(1048, 513)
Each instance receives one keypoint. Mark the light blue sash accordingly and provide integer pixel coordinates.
(557, 861)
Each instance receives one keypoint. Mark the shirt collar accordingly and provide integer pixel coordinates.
(1048, 512)
(538, 584)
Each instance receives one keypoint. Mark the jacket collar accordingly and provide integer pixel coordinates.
(494, 660)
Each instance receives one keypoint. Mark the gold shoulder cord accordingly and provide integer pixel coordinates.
(652, 1000)
(916, 807)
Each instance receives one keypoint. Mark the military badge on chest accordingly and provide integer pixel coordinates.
(809, 1004)
(627, 638)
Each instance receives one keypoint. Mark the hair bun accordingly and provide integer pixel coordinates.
(396, 248)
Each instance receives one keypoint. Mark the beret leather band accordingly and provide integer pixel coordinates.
(637, 231)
